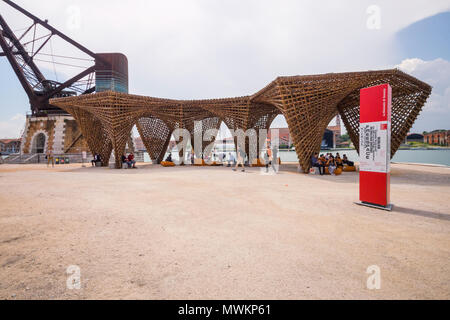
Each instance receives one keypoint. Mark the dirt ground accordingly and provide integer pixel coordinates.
(210, 233)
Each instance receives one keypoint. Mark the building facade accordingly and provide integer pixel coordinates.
(59, 134)
(9, 146)
(330, 138)
(438, 137)
(415, 137)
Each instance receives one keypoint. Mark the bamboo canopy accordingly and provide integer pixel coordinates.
(308, 103)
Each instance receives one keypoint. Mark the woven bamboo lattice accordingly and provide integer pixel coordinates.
(308, 103)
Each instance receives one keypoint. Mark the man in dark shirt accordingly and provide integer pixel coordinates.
(347, 162)
(315, 162)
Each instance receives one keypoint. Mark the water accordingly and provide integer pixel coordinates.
(441, 157)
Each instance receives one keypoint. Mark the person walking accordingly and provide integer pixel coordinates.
(268, 159)
(231, 160)
(240, 159)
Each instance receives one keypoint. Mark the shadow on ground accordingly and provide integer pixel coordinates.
(422, 213)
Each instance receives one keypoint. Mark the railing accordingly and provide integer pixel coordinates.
(28, 160)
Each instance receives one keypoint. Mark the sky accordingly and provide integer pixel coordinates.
(194, 49)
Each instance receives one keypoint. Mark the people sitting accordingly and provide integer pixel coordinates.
(169, 162)
(328, 164)
(322, 159)
(124, 159)
(331, 164)
(97, 158)
(131, 162)
(315, 162)
(339, 163)
(347, 162)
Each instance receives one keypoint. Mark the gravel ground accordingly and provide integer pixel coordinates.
(210, 233)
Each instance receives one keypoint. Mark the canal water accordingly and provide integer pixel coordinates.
(440, 157)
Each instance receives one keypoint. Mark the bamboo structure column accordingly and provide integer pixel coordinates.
(308, 103)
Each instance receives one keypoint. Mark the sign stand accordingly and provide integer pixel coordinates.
(83, 157)
(375, 147)
(389, 207)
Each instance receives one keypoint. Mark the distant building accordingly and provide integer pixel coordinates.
(283, 134)
(415, 137)
(139, 144)
(330, 138)
(9, 146)
(437, 137)
(336, 130)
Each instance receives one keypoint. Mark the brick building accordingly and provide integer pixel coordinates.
(58, 133)
(438, 137)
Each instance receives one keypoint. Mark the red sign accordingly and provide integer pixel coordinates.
(375, 145)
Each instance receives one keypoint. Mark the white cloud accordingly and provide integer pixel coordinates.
(436, 113)
(12, 128)
(213, 48)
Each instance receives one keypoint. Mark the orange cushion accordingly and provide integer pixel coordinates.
(349, 169)
(338, 171)
(167, 164)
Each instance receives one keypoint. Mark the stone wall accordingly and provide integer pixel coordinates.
(62, 135)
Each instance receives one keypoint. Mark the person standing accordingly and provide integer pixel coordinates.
(50, 158)
(275, 162)
(192, 157)
(1, 158)
(267, 160)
